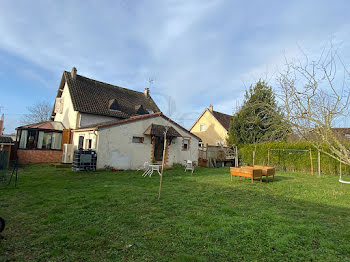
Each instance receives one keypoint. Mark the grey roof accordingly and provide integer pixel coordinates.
(6, 140)
(95, 97)
(224, 119)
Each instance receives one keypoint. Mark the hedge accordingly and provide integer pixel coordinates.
(290, 160)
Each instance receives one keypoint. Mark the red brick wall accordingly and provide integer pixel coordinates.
(39, 156)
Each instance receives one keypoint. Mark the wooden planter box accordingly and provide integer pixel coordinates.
(246, 172)
(267, 171)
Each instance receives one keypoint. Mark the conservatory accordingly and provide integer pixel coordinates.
(40, 142)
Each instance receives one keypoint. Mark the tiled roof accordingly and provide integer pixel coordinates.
(94, 97)
(158, 130)
(132, 119)
(49, 125)
(6, 140)
(223, 119)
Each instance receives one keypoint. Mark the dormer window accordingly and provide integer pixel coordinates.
(113, 105)
(140, 110)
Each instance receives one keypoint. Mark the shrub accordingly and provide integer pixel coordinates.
(290, 160)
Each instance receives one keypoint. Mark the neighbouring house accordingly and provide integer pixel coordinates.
(212, 127)
(129, 143)
(6, 144)
(111, 120)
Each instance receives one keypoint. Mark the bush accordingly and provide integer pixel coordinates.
(290, 160)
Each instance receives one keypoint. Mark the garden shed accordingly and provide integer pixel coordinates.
(6, 144)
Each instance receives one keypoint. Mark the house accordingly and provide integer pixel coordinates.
(212, 127)
(82, 101)
(124, 126)
(129, 143)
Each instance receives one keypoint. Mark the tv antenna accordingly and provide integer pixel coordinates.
(151, 82)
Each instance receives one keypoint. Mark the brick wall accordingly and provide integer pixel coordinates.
(39, 156)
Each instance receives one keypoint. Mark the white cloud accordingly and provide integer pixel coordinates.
(199, 52)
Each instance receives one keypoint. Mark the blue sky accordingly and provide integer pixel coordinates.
(198, 52)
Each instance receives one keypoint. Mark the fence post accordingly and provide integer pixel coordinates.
(236, 162)
(312, 165)
(319, 164)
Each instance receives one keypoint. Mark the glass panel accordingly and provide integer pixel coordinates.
(47, 141)
(56, 140)
(32, 139)
(23, 141)
(136, 139)
(81, 142)
(40, 139)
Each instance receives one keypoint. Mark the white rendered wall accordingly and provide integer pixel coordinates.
(115, 147)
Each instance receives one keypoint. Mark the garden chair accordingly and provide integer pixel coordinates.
(189, 165)
(144, 167)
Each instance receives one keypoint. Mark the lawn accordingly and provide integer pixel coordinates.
(58, 215)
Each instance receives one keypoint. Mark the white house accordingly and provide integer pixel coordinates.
(129, 143)
(124, 126)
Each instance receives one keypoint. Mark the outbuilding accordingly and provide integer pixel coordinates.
(6, 144)
(129, 143)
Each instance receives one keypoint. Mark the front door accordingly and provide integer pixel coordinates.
(158, 148)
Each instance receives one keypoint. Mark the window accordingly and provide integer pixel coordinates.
(219, 143)
(88, 143)
(202, 128)
(137, 139)
(185, 143)
(59, 105)
(34, 139)
(81, 142)
(44, 140)
(150, 111)
(200, 144)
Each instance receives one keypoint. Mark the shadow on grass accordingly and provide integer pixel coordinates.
(203, 217)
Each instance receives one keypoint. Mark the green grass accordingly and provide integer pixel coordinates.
(58, 215)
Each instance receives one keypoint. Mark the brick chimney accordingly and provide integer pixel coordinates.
(74, 73)
(147, 92)
(211, 108)
(1, 124)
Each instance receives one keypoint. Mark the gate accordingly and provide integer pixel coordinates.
(3, 159)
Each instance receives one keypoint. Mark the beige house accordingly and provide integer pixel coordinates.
(212, 127)
(124, 126)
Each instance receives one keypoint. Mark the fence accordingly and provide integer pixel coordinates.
(290, 160)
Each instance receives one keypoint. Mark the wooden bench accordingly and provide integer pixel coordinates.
(246, 172)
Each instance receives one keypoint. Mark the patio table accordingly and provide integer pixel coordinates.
(151, 168)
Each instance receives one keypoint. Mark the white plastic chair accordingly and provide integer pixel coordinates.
(144, 167)
(189, 165)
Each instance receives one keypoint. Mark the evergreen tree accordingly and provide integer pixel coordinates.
(259, 119)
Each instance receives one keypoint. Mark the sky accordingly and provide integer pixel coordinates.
(196, 52)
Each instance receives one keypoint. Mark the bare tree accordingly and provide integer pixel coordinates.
(39, 112)
(315, 96)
